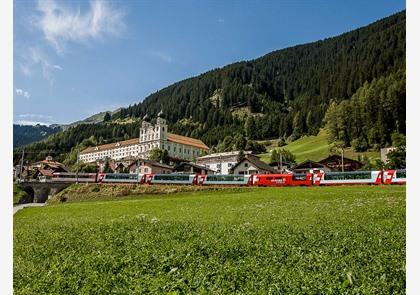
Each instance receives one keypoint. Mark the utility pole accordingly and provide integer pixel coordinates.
(220, 163)
(77, 163)
(21, 166)
(342, 159)
(281, 162)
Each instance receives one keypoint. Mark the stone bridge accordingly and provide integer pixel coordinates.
(40, 192)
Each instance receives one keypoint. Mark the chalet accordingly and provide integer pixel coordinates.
(252, 165)
(188, 167)
(281, 167)
(334, 163)
(309, 166)
(148, 166)
(44, 169)
(49, 164)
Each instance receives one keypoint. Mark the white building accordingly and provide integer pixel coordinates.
(252, 164)
(385, 152)
(220, 162)
(151, 136)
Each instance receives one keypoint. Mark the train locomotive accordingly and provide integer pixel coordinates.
(387, 177)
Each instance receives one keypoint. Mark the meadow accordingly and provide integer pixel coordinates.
(314, 148)
(316, 240)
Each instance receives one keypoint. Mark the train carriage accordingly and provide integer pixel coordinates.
(289, 179)
(74, 177)
(394, 176)
(120, 178)
(354, 177)
(225, 179)
(171, 179)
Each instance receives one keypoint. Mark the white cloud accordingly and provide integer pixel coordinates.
(28, 122)
(34, 119)
(25, 69)
(35, 116)
(37, 57)
(220, 20)
(161, 55)
(22, 92)
(61, 24)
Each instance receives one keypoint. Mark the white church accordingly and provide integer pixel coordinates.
(151, 136)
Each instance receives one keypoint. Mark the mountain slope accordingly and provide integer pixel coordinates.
(287, 92)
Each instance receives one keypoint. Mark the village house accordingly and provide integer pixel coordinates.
(251, 164)
(281, 167)
(331, 163)
(309, 166)
(143, 166)
(335, 163)
(221, 163)
(191, 168)
(41, 170)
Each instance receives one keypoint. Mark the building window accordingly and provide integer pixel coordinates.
(230, 165)
(245, 164)
(146, 170)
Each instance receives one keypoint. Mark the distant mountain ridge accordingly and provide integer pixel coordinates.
(96, 118)
(26, 134)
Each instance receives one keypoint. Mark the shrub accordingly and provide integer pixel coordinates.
(359, 144)
(95, 189)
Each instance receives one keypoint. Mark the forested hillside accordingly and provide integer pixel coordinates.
(284, 94)
(26, 134)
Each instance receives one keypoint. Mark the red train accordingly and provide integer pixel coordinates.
(258, 180)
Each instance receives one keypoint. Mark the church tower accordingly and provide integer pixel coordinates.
(162, 127)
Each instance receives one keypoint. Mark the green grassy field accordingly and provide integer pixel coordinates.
(316, 240)
(314, 148)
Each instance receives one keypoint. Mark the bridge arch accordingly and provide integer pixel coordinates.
(43, 194)
(30, 195)
(39, 192)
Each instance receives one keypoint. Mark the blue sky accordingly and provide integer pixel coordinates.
(73, 59)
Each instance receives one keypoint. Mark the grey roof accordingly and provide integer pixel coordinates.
(257, 163)
(193, 165)
(152, 163)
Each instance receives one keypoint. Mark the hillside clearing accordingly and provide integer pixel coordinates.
(329, 240)
(314, 148)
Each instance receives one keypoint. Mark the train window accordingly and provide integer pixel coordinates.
(225, 178)
(348, 175)
(401, 174)
(174, 177)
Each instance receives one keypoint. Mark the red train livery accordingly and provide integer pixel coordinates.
(301, 179)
